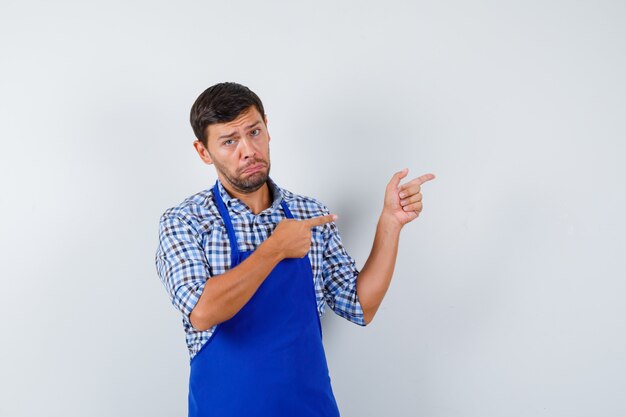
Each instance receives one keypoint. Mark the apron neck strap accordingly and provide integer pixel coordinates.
(234, 250)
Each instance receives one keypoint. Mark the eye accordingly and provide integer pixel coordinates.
(226, 141)
(258, 131)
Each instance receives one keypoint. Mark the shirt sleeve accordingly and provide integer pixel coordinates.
(181, 263)
(339, 273)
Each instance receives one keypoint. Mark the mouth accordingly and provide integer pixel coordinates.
(253, 168)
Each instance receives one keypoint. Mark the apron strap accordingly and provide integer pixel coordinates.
(286, 209)
(234, 250)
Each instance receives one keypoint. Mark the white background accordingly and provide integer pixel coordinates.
(507, 297)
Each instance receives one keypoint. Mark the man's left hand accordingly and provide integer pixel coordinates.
(403, 203)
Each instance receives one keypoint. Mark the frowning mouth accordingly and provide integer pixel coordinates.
(253, 168)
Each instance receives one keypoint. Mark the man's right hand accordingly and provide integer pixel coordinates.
(225, 294)
(292, 238)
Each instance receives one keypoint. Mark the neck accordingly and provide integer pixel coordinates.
(256, 201)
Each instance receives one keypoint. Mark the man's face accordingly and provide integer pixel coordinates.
(235, 146)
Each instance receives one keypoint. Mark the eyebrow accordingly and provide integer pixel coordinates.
(233, 133)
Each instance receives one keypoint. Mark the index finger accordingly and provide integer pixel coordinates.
(423, 178)
(320, 220)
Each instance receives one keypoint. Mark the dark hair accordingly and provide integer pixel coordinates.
(221, 103)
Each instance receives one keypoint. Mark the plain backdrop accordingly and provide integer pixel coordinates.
(507, 296)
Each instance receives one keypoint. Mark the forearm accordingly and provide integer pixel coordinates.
(224, 295)
(375, 276)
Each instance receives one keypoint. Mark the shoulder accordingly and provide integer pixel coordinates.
(197, 211)
(305, 207)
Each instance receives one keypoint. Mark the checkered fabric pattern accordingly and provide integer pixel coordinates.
(194, 246)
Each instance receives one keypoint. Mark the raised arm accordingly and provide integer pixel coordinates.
(403, 204)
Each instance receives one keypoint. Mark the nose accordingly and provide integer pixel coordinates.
(247, 149)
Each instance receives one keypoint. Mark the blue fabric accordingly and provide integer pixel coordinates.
(268, 360)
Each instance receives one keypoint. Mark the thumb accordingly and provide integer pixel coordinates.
(395, 180)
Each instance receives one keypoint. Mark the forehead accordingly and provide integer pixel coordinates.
(245, 118)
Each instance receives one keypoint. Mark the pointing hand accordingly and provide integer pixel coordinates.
(292, 238)
(403, 203)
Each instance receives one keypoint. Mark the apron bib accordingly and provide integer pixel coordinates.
(268, 359)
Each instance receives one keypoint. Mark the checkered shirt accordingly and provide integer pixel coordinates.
(194, 246)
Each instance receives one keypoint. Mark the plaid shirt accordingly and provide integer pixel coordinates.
(194, 246)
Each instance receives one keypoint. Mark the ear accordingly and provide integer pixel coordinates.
(202, 152)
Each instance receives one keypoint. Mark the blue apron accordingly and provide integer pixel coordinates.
(268, 359)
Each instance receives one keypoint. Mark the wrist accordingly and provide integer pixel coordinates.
(389, 222)
(271, 249)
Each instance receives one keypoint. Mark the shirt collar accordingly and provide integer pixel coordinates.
(237, 205)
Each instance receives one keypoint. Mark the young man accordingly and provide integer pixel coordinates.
(250, 266)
